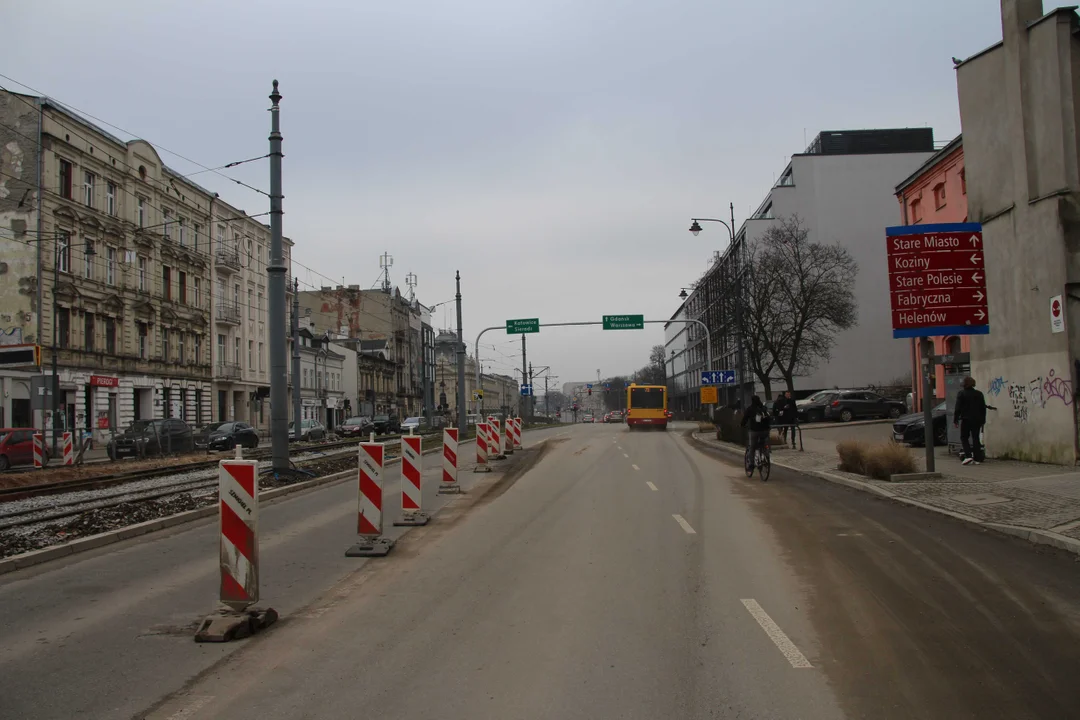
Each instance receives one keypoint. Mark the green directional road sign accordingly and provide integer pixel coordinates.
(526, 325)
(624, 322)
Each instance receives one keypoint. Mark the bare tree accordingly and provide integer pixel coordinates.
(799, 295)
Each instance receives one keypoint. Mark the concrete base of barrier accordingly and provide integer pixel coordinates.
(371, 547)
(482, 468)
(451, 488)
(413, 519)
(227, 624)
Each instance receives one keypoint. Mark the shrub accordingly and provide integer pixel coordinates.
(888, 459)
(852, 456)
(706, 427)
(727, 425)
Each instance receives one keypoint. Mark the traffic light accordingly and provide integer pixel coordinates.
(590, 392)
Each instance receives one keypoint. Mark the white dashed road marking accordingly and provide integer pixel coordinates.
(652, 487)
(635, 467)
(685, 525)
(782, 641)
(625, 455)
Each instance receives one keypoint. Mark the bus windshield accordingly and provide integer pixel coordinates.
(647, 398)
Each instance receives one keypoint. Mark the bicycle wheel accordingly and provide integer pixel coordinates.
(748, 463)
(764, 466)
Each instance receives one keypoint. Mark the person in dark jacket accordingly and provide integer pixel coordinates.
(757, 419)
(969, 415)
(788, 413)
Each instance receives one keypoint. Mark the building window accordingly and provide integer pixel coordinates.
(63, 327)
(916, 211)
(197, 350)
(110, 266)
(65, 179)
(236, 297)
(165, 345)
(141, 212)
(261, 316)
(166, 284)
(198, 292)
(221, 350)
(110, 198)
(180, 347)
(63, 251)
(251, 355)
(180, 231)
(88, 260)
(251, 304)
(143, 333)
(236, 351)
(166, 230)
(88, 331)
(939, 195)
(220, 237)
(195, 236)
(142, 274)
(963, 181)
(88, 189)
(221, 290)
(182, 298)
(262, 358)
(110, 335)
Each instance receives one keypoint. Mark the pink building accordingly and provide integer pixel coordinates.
(936, 193)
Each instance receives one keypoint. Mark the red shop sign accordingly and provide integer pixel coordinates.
(102, 381)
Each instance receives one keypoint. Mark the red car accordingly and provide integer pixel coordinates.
(17, 447)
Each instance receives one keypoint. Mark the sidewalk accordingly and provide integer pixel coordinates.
(1040, 503)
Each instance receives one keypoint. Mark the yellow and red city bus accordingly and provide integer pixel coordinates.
(646, 406)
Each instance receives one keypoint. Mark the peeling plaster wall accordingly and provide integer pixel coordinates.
(19, 160)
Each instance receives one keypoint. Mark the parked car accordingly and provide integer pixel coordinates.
(226, 436)
(385, 424)
(910, 429)
(812, 409)
(309, 430)
(851, 404)
(615, 416)
(359, 426)
(152, 437)
(417, 424)
(17, 447)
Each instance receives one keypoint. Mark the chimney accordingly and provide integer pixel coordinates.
(1019, 14)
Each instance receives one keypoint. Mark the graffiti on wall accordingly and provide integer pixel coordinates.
(1033, 395)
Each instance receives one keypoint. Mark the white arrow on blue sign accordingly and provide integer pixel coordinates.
(717, 377)
(526, 390)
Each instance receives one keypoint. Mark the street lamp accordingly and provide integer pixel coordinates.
(695, 228)
(682, 294)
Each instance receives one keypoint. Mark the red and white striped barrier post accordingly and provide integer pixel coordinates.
(39, 450)
(482, 448)
(69, 449)
(496, 441)
(369, 523)
(517, 433)
(508, 436)
(412, 494)
(238, 589)
(449, 482)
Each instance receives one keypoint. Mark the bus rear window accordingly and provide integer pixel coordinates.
(643, 399)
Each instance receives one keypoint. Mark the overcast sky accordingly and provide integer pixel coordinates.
(552, 150)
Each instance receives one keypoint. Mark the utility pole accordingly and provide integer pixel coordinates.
(296, 359)
(524, 377)
(425, 382)
(530, 402)
(275, 270)
(462, 424)
(55, 387)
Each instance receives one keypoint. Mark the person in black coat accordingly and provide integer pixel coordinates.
(969, 414)
(788, 414)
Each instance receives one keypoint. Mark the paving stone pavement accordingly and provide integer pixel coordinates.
(1042, 497)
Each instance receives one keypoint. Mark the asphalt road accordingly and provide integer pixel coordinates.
(611, 574)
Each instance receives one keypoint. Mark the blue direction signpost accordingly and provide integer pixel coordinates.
(717, 377)
(526, 390)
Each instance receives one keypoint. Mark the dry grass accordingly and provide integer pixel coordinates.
(706, 427)
(880, 461)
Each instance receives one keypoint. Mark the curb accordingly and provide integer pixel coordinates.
(44, 555)
(1033, 535)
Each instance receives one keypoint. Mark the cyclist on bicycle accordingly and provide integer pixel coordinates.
(757, 418)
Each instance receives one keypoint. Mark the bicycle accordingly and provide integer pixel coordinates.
(759, 457)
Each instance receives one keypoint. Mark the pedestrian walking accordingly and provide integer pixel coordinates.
(789, 417)
(969, 415)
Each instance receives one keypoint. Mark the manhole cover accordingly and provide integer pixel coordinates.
(981, 499)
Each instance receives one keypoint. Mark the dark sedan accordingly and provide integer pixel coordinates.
(152, 437)
(356, 427)
(386, 424)
(852, 404)
(812, 409)
(226, 436)
(910, 428)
